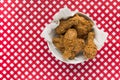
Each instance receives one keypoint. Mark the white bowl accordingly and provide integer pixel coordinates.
(49, 32)
(57, 53)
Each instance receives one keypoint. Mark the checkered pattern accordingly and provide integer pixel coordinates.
(24, 55)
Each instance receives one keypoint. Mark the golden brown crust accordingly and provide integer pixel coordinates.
(58, 42)
(66, 24)
(79, 46)
(90, 49)
(69, 42)
(84, 27)
(72, 44)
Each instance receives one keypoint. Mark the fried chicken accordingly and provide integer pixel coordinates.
(72, 44)
(66, 24)
(84, 27)
(81, 24)
(90, 49)
(69, 43)
(76, 37)
(58, 42)
(79, 46)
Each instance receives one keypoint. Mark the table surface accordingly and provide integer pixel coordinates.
(24, 55)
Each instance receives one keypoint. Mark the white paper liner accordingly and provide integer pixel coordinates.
(49, 32)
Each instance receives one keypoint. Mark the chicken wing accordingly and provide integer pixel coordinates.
(84, 27)
(58, 42)
(72, 44)
(66, 24)
(90, 49)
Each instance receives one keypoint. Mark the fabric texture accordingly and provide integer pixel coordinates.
(24, 54)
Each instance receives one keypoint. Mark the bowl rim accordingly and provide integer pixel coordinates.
(71, 61)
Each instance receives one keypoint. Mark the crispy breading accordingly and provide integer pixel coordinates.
(58, 42)
(90, 49)
(72, 44)
(79, 46)
(84, 27)
(66, 24)
(68, 41)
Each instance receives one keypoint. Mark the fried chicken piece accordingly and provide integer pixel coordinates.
(69, 42)
(72, 44)
(79, 46)
(68, 54)
(58, 42)
(85, 21)
(90, 49)
(66, 24)
(81, 30)
(84, 27)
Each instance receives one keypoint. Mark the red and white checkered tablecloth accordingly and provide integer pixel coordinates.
(24, 55)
